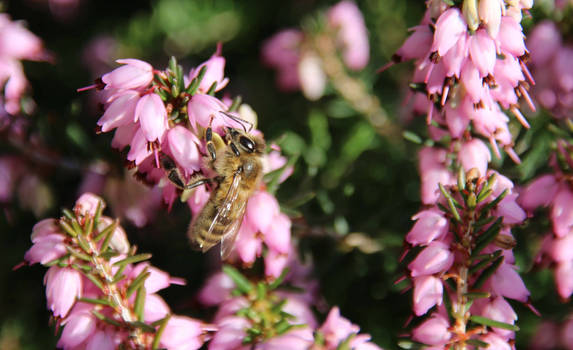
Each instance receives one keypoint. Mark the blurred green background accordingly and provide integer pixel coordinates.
(357, 180)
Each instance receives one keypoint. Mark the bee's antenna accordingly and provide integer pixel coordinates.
(239, 120)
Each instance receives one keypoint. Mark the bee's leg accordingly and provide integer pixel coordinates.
(197, 182)
(210, 144)
(173, 173)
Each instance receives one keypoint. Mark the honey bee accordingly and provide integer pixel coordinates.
(237, 164)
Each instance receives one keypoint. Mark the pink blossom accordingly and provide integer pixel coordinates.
(449, 28)
(436, 257)
(490, 12)
(63, 286)
(120, 112)
(430, 225)
(562, 212)
(311, 76)
(277, 236)
(275, 262)
(482, 52)
(46, 248)
(204, 109)
(124, 135)
(263, 208)
(543, 42)
(101, 340)
(79, 326)
(296, 339)
(183, 146)
(155, 308)
(336, 328)
(352, 33)
(151, 113)
(157, 279)
(417, 44)
(182, 333)
(540, 192)
(427, 293)
(511, 38)
(432, 167)
(134, 74)
(433, 331)
(282, 53)
(230, 334)
(474, 154)
(507, 282)
(564, 278)
(499, 309)
(216, 290)
(88, 203)
(139, 150)
(561, 249)
(18, 42)
(496, 342)
(214, 74)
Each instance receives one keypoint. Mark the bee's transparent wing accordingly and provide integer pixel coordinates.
(225, 216)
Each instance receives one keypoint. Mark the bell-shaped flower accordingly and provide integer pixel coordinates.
(275, 263)
(482, 52)
(561, 249)
(18, 42)
(155, 308)
(182, 333)
(352, 33)
(540, 192)
(134, 74)
(490, 12)
(432, 167)
(262, 209)
(436, 257)
(120, 112)
(205, 109)
(428, 291)
(510, 37)
(138, 151)
(311, 76)
(152, 116)
(214, 74)
(157, 279)
(336, 328)
(232, 331)
(564, 278)
(507, 282)
(433, 331)
(562, 212)
(63, 287)
(216, 290)
(79, 326)
(499, 309)
(430, 225)
(417, 44)
(182, 145)
(474, 154)
(450, 26)
(101, 340)
(496, 342)
(277, 236)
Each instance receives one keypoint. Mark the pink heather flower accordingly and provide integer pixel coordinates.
(436, 257)
(157, 279)
(182, 333)
(433, 331)
(499, 309)
(450, 27)
(282, 53)
(63, 286)
(352, 33)
(562, 212)
(230, 334)
(216, 290)
(134, 74)
(101, 340)
(155, 308)
(490, 12)
(138, 151)
(482, 52)
(540, 192)
(120, 112)
(79, 326)
(311, 75)
(430, 225)
(336, 328)
(183, 146)
(48, 243)
(295, 339)
(124, 135)
(507, 282)
(496, 342)
(300, 310)
(474, 154)
(277, 236)
(204, 108)
(417, 44)
(428, 291)
(564, 278)
(151, 113)
(88, 203)
(561, 249)
(264, 208)
(18, 42)
(543, 42)
(275, 262)
(274, 160)
(215, 73)
(432, 167)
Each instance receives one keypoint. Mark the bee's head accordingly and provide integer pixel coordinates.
(246, 142)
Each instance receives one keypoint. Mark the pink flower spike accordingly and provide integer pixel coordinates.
(183, 146)
(449, 28)
(436, 257)
(135, 74)
(433, 331)
(427, 293)
(63, 286)
(151, 113)
(430, 225)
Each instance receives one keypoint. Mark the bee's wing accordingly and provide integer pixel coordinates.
(222, 216)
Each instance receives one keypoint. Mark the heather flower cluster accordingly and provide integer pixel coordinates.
(16, 44)
(100, 291)
(469, 61)
(462, 266)
(299, 60)
(160, 113)
(553, 74)
(555, 192)
(262, 316)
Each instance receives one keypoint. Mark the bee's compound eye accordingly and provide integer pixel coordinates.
(247, 144)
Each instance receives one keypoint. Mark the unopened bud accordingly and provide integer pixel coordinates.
(470, 11)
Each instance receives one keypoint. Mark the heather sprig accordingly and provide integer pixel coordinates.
(99, 289)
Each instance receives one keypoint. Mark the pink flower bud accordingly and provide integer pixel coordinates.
(427, 293)
(540, 192)
(135, 74)
(151, 113)
(449, 28)
(215, 73)
(120, 112)
(336, 328)
(182, 333)
(433, 331)
(507, 282)
(88, 203)
(63, 286)
(46, 248)
(183, 146)
(562, 212)
(474, 154)
(352, 33)
(436, 257)
(430, 225)
(564, 278)
(118, 240)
